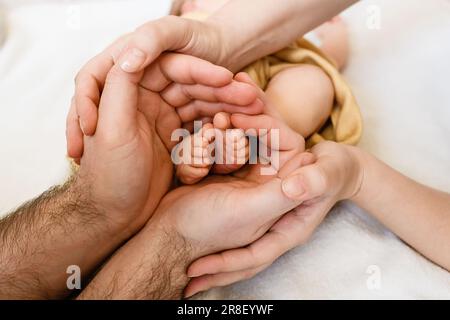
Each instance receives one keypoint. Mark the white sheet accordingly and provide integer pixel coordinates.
(399, 74)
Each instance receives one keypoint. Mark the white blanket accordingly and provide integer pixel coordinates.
(399, 74)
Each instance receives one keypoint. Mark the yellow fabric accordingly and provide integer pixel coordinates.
(345, 122)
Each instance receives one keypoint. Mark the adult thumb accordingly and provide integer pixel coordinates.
(306, 183)
(150, 40)
(267, 202)
(119, 102)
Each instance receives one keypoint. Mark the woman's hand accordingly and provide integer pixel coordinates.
(219, 213)
(330, 173)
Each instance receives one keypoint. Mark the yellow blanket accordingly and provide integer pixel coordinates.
(345, 123)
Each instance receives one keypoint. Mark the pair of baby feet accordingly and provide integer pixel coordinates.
(217, 147)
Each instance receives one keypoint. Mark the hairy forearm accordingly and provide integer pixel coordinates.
(419, 215)
(255, 28)
(152, 265)
(41, 239)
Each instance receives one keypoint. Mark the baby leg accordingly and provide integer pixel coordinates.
(304, 97)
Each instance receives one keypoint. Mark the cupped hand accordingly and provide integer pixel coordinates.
(126, 165)
(183, 83)
(224, 212)
(133, 53)
(316, 179)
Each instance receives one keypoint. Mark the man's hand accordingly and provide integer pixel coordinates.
(330, 173)
(124, 172)
(190, 88)
(220, 213)
(127, 161)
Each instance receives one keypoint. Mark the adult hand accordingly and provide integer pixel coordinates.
(219, 213)
(133, 53)
(334, 175)
(223, 39)
(125, 171)
(126, 163)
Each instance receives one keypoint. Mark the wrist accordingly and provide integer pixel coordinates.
(152, 265)
(230, 43)
(218, 47)
(177, 254)
(81, 197)
(360, 166)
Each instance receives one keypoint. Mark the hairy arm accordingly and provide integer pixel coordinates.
(41, 239)
(419, 215)
(273, 25)
(152, 265)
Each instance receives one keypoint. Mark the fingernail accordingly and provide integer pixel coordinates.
(193, 275)
(292, 187)
(133, 60)
(188, 295)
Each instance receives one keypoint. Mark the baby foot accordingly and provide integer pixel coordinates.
(231, 146)
(197, 164)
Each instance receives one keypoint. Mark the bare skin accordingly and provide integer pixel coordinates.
(223, 39)
(86, 220)
(216, 148)
(340, 172)
(303, 95)
(192, 221)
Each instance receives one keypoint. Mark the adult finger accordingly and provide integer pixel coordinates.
(87, 99)
(184, 69)
(74, 135)
(265, 202)
(151, 39)
(89, 84)
(270, 128)
(118, 104)
(296, 162)
(309, 182)
(292, 230)
(236, 93)
(262, 252)
(198, 109)
(222, 120)
(207, 282)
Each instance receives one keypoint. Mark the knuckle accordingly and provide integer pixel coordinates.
(148, 30)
